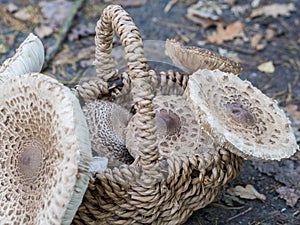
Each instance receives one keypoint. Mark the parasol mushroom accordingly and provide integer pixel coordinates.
(178, 131)
(107, 122)
(239, 116)
(29, 57)
(45, 151)
(191, 59)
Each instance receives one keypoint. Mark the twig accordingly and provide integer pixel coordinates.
(290, 94)
(170, 5)
(63, 33)
(240, 214)
(240, 50)
(217, 205)
(73, 80)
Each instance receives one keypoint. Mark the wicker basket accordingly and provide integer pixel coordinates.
(154, 189)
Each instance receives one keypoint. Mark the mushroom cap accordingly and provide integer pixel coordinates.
(45, 151)
(178, 131)
(29, 57)
(239, 116)
(106, 122)
(191, 59)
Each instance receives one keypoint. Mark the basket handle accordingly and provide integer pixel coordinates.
(115, 18)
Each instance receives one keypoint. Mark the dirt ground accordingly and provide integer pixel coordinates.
(266, 38)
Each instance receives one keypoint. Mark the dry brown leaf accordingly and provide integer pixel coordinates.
(286, 171)
(202, 18)
(11, 8)
(266, 67)
(255, 42)
(3, 49)
(43, 31)
(23, 14)
(274, 10)
(270, 34)
(293, 110)
(56, 11)
(222, 34)
(289, 195)
(248, 192)
(81, 30)
(294, 115)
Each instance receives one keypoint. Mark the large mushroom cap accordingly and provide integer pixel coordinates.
(240, 116)
(107, 121)
(191, 59)
(44, 151)
(29, 57)
(178, 131)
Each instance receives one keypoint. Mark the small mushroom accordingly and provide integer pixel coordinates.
(45, 151)
(239, 116)
(29, 57)
(178, 131)
(107, 121)
(191, 59)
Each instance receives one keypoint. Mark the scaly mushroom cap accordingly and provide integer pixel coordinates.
(240, 116)
(107, 122)
(44, 151)
(191, 59)
(178, 131)
(29, 57)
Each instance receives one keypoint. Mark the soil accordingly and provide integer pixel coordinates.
(154, 24)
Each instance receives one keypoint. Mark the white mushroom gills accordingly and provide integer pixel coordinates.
(45, 151)
(29, 57)
(240, 117)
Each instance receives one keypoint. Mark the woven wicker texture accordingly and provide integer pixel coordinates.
(154, 189)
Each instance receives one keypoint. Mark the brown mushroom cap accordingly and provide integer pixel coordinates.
(178, 131)
(45, 151)
(29, 57)
(240, 116)
(107, 122)
(191, 59)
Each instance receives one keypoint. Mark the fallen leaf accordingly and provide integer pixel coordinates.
(11, 7)
(255, 42)
(43, 31)
(248, 192)
(286, 171)
(293, 110)
(270, 34)
(3, 49)
(274, 10)
(23, 14)
(56, 11)
(222, 34)
(266, 67)
(289, 195)
(201, 18)
(82, 30)
(294, 115)
(131, 3)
